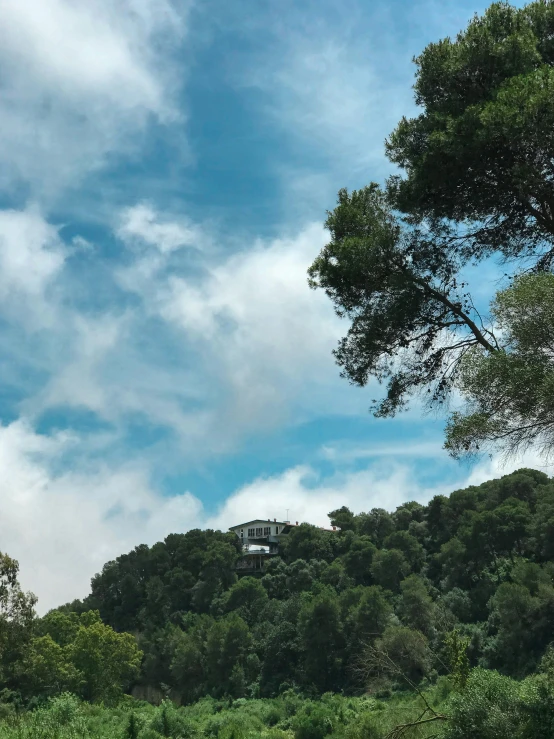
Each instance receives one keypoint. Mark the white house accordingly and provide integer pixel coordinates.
(260, 540)
(261, 532)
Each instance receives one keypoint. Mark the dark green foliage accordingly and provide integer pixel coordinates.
(411, 324)
(133, 727)
(480, 151)
(322, 638)
(151, 584)
(389, 568)
(476, 180)
(314, 721)
(478, 563)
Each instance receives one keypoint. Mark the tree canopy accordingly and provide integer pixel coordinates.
(476, 180)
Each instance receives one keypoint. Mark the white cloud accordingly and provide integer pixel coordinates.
(310, 499)
(142, 225)
(62, 528)
(31, 257)
(103, 366)
(250, 343)
(336, 84)
(495, 466)
(345, 453)
(79, 80)
(263, 334)
(77, 382)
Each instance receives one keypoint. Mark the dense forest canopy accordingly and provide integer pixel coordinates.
(479, 562)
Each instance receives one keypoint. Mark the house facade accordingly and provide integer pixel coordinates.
(260, 539)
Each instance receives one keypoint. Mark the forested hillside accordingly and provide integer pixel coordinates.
(441, 615)
(479, 561)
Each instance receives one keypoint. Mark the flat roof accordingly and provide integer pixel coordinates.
(260, 520)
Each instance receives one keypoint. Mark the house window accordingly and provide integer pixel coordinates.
(258, 532)
(267, 530)
(276, 529)
(242, 534)
(250, 532)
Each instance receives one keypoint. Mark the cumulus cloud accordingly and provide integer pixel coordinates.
(80, 79)
(142, 225)
(309, 498)
(103, 367)
(263, 334)
(32, 255)
(63, 527)
(333, 90)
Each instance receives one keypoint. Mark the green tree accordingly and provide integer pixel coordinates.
(377, 524)
(515, 617)
(509, 393)
(47, 669)
(480, 152)
(489, 707)
(323, 641)
(61, 626)
(108, 661)
(227, 644)
(456, 652)
(247, 598)
(358, 559)
(400, 654)
(409, 546)
(188, 664)
(411, 323)
(343, 518)
(477, 180)
(416, 608)
(369, 618)
(308, 542)
(17, 616)
(389, 568)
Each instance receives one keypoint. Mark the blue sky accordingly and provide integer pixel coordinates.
(166, 168)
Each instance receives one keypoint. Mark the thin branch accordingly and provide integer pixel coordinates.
(401, 729)
(456, 309)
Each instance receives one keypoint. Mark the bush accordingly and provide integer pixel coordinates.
(368, 726)
(487, 709)
(64, 708)
(149, 733)
(313, 721)
(171, 722)
(272, 716)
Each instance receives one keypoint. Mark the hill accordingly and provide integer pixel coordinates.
(480, 561)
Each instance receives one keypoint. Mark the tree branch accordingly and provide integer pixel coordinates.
(456, 309)
(401, 729)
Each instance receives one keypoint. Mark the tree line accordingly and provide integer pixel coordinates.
(478, 564)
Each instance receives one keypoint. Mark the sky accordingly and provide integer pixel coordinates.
(165, 169)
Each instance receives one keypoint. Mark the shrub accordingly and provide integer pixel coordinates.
(313, 721)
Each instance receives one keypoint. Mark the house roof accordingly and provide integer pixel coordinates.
(260, 520)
